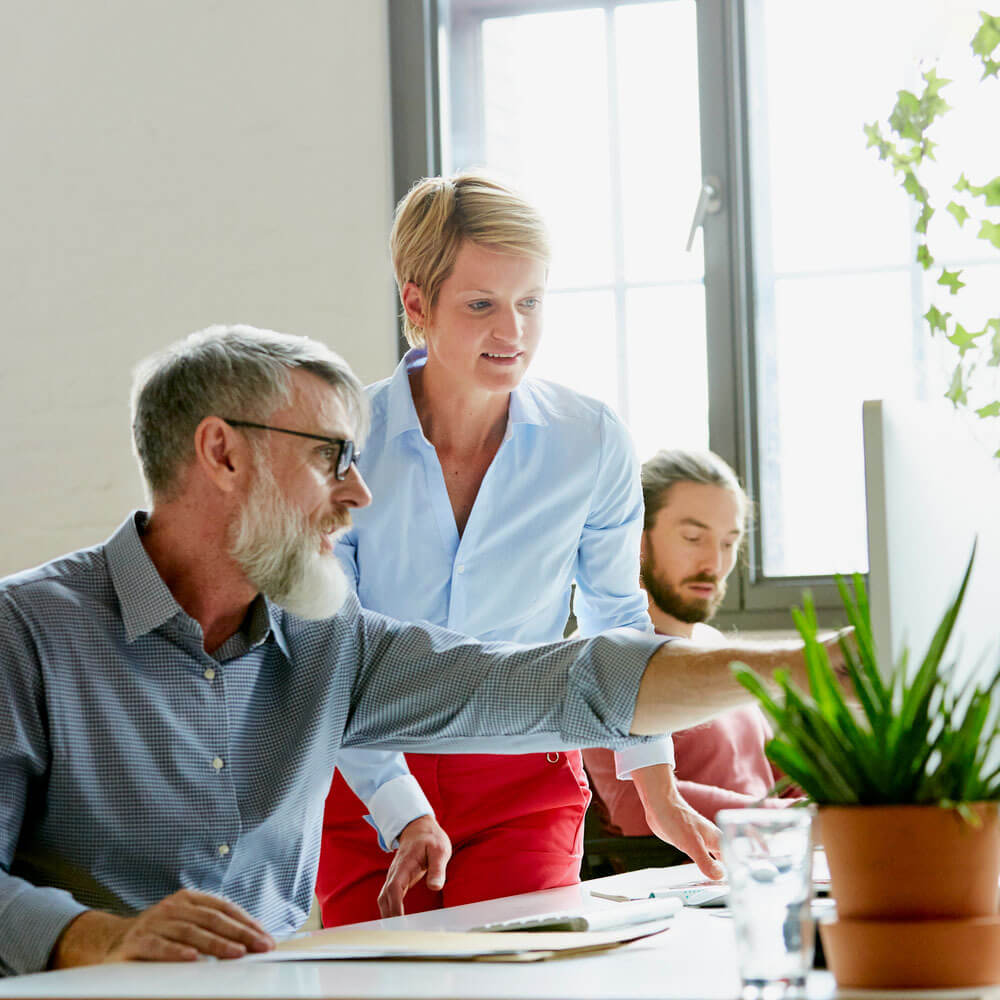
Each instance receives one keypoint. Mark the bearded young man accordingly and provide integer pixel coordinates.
(696, 515)
(175, 698)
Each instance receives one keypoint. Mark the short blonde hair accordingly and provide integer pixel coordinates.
(438, 213)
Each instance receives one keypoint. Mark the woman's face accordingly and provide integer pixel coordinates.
(486, 324)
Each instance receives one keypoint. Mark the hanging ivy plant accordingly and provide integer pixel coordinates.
(906, 145)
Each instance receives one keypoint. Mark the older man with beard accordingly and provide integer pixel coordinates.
(175, 698)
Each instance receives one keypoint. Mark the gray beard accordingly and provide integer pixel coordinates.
(278, 551)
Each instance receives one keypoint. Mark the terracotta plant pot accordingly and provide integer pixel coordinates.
(915, 954)
(911, 862)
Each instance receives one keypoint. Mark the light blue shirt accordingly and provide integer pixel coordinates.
(561, 502)
(133, 764)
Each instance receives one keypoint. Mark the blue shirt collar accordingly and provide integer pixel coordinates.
(401, 414)
(145, 600)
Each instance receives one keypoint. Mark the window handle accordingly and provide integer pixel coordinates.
(709, 202)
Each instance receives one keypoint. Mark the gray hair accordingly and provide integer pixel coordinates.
(674, 465)
(225, 371)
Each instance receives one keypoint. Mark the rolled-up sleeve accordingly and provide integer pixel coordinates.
(383, 782)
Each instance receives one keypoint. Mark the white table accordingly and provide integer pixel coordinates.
(694, 960)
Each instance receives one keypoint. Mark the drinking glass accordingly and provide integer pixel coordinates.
(768, 859)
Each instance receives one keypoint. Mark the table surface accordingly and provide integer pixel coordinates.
(693, 959)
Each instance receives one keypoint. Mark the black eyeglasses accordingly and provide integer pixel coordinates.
(343, 454)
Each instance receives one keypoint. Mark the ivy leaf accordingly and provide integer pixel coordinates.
(934, 82)
(990, 68)
(960, 212)
(956, 391)
(990, 231)
(924, 258)
(990, 191)
(951, 280)
(926, 214)
(964, 339)
(874, 134)
(962, 184)
(989, 410)
(987, 38)
(906, 119)
(937, 319)
(927, 148)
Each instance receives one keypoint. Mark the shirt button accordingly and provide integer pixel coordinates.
(217, 763)
(223, 849)
(210, 674)
(461, 569)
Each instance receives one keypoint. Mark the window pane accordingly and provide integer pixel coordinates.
(818, 366)
(578, 347)
(838, 297)
(667, 370)
(657, 50)
(545, 121)
(824, 196)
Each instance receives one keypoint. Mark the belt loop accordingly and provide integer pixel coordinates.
(552, 757)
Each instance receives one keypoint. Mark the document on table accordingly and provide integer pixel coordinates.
(511, 946)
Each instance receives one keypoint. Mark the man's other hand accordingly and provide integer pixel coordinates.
(180, 928)
(424, 850)
(674, 821)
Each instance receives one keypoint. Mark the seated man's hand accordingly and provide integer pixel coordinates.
(180, 928)
(674, 821)
(424, 850)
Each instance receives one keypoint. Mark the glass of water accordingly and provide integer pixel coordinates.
(768, 859)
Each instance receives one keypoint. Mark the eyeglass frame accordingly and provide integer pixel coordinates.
(344, 445)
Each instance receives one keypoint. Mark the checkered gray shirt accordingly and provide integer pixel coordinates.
(133, 764)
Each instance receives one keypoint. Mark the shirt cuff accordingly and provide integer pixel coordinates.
(33, 920)
(660, 751)
(396, 803)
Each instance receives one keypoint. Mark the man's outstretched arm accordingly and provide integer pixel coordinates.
(685, 684)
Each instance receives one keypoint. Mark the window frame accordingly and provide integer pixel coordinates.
(754, 601)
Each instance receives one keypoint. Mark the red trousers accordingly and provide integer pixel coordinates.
(515, 823)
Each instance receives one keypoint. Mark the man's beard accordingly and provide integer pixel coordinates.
(669, 600)
(279, 551)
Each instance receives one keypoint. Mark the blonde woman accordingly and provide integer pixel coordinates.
(495, 492)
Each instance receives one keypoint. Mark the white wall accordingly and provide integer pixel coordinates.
(167, 164)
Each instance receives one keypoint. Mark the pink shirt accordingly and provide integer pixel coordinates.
(719, 765)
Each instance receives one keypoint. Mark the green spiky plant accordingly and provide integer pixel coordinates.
(911, 739)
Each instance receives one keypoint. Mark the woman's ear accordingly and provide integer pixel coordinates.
(415, 305)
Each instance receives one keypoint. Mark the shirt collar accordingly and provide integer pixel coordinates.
(271, 626)
(146, 601)
(144, 598)
(401, 414)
